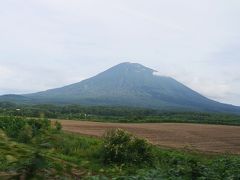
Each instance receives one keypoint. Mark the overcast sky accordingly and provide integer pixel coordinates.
(51, 43)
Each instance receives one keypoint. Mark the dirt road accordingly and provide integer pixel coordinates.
(206, 138)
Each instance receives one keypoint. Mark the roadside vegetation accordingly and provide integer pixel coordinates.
(115, 114)
(38, 148)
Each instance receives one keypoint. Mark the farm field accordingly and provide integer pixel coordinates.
(199, 137)
(40, 149)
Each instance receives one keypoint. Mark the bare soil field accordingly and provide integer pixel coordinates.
(199, 137)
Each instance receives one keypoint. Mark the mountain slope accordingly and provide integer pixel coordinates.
(16, 99)
(131, 84)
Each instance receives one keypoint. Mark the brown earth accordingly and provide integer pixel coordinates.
(199, 137)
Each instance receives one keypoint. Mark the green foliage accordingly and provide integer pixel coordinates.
(26, 133)
(23, 129)
(73, 145)
(45, 153)
(121, 147)
(116, 114)
(58, 126)
(34, 164)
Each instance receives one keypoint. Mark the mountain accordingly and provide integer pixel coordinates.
(127, 84)
(15, 98)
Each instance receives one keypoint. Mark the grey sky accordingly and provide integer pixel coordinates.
(51, 43)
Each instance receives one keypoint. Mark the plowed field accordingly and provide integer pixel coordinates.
(205, 138)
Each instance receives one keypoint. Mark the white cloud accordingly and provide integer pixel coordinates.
(50, 43)
(4, 72)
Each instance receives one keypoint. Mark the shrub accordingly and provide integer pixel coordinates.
(25, 135)
(24, 129)
(121, 147)
(58, 126)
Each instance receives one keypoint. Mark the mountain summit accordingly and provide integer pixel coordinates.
(128, 84)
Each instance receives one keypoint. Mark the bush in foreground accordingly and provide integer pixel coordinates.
(23, 129)
(121, 147)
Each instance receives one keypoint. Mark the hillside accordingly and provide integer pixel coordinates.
(128, 84)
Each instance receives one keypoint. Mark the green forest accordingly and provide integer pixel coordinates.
(115, 114)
